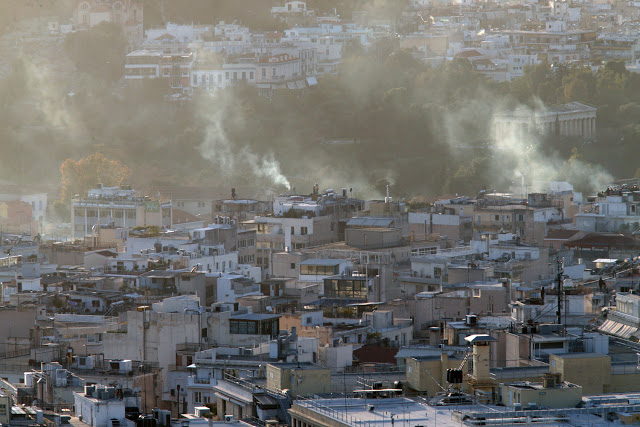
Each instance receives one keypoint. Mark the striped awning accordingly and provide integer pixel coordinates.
(617, 329)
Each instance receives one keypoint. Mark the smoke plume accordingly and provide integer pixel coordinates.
(219, 112)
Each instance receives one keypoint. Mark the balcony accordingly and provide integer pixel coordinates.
(201, 381)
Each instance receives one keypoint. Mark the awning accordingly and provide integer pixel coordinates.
(300, 84)
(291, 85)
(312, 81)
(264, 400)
(617, 329)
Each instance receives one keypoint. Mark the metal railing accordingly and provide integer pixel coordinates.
(518, 372)
(313, 404)
(624, 368)
(17, 352)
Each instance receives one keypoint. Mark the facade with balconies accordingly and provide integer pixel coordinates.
(118, 207)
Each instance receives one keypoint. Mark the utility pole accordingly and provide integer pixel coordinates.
(560, 274)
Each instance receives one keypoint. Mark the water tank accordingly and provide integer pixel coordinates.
(28, 379)
(549, 381)
(112, 392)
(472, 320)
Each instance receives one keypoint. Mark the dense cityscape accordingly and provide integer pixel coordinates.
(319, 213)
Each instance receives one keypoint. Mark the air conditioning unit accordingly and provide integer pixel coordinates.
(228, 418)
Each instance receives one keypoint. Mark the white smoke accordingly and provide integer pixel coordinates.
(231, 157)
(517, 153)
(267, 167)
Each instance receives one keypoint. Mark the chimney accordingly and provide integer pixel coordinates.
(444, 365)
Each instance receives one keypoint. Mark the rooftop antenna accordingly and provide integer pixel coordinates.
(560, 274)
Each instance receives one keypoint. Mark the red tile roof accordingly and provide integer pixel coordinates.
(373, 354)
(561, 234)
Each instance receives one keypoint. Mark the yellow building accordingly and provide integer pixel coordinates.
(551, 393)
(427, 374)
(299, 378)
(592, 371)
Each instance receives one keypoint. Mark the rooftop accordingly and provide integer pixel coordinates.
(404, 412)
(370, 222)
(255, 316)
(316, 261)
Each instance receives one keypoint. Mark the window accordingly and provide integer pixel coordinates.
(226, 75)
(293, 231)
(253, 327)
(264, 73)
(320, 270)
(235, 75)
(303, 231)
(244, 75)
(497, 217)
(251, 75)
(293, 266)
(437, 272)
(197, 396)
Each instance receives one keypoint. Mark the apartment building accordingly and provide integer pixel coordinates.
(119, 206)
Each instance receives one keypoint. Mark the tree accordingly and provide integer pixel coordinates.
(80, 176)
(99, 52)
(579, 86)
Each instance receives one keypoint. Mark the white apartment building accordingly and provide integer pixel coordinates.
(118, 206)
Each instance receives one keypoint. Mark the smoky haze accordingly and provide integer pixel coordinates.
(383, 118)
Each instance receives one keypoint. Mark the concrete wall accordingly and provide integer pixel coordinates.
(373, 238)
(453, 226)
(423, 374)
(303, 381)
(591, 371)
(336, 358)
(559, 397)
(623, 383)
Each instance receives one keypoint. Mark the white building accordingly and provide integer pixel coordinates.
(295, 7)
(517, 63)
(572, 119)
(98, 406)
(232, 32)
(38, 202)
(174, 33)
(118, 206)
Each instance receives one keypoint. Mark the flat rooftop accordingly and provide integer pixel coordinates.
(412, 413)
(329, 262)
